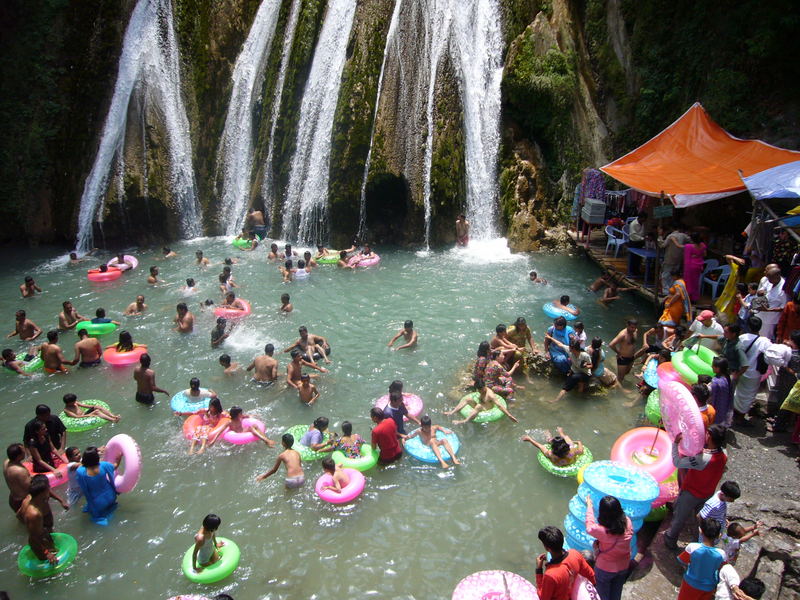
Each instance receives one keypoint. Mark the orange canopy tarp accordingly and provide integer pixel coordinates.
(694, 160)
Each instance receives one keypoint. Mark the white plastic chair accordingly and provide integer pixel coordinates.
(615, 237)
(724, 272)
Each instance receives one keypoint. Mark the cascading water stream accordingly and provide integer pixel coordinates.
(390, 38)
(306, 205)
(236, 148)
(477, 51)
(268, 184)
(149, 55)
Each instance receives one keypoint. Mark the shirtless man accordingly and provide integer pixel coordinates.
(29, 288)
(653, 340)
(624, 346)
(145, 379)
(184, 319)
(309, 344)
(534, 278)
(487, 400)
(17, 477)
(408, 333)
(603, 281)
(26, 329)
(255, 223)
(201, 261)
(53, 356)
(295, 369)
(69, 317)
(563, 304)
(37, 516)
(228, 367)
(87, 350)
(295, 477)
(462, 231)
(137, 307)
(266, 367)
(506, 347)
(152, 279)
(168, 253)
(220, 332)
(232, 302)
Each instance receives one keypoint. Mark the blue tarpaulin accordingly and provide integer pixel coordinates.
(782, 181)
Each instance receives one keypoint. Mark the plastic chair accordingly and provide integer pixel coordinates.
(711, 263)
(615, 237)
(724, 272)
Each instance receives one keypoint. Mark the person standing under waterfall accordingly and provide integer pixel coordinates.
(255, 223)
(462, 231)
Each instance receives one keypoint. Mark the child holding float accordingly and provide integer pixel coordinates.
(427, 433)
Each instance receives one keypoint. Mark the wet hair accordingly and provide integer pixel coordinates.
(611, 516)
(73, 256)
(552, 538)
(208, 302)
(125, 343)
(301, 264)
(753, 587)
(285, 298)
(225, 360)
(717, 434)
(376, 413)
(321, 423)
(190, 282)
(396, 386)
(560, 322)
(730, 489)
(700, 393)
(91, 457)
(425, 421)
(144, 360)
(221, 321)
(342, 255)
(632, 322)
(199, 254)
(52, 336)
(395, 396)
(269, 349)
(347, 428)
(216, 405)
(302, 329)
(39, 485)
(578, 325)
(287, 439)
(479, 384)
(65, 303)
(597, 344)
(8, 353)
(21, 313)
(500, 328)
(235, 411)
(754, 323)
(70, 398)
(226, 269)
(532, 274)
(483, 349)
(564, 299)
(166, 249)
(28, 279)
(305, 377)
(194, 383)
(153, 271)
(408, 324)
(73, 454)
(182, 306)
(319, 246)
(559, 447)
(42, 410)
(100, 313)
(328, 465)
(39, 426)
(295, 353)
(228, 261)
(710, 528)
(211, 522)
(307, 255)
(274, 247)
(230, 296)
(15, 451)
(288, 247)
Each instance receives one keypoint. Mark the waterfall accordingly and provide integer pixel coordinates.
(390, 37)
(236, 148)
(267, 187)
(305, 208)
(149, 55)
(477, 52)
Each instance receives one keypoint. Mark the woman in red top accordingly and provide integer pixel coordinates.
(613, 531)
(384, 436)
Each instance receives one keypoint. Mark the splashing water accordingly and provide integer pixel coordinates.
(267, 187)
(236, 149)
(478, 53)
(149, 56)
(306, 206)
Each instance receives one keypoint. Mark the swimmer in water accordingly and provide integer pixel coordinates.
(228, 367)
(145, 379)
(534, 278)
(562, 451)
(339, 479)
(290, 458)
(273, 253)
(427, 433)
(408, 333)
(563, 304)
(342, 263)
(53, 356)
(232, 302)
(266, 367)
(29, 288)
(190, 288)
(69, 317)
(237, 426)
(78, 410)
(201, 261)
(286, 305)
(136, 307)
(220, 332)
(153, 279)
(294, 369)
(307, 391)
(287, 271)
(487, 400)
(310, 262)
(168, 253)
(88, 350)
(26, 329)
(184, 319)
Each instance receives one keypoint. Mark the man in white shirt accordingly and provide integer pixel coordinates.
(636, 231)
(772, 284)
(749, 382)
(706, 324)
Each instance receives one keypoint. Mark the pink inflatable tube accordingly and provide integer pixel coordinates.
(666, 373)
(412, 401)
(55, 479)
(121, 359)
(667, 491)
(349, 492)
(495, 585)
(232, 313)
(355, 261)
(124, 266)
(246, 437)
(645, 448)
(582, 589)
(98, 275)
(125, 446)
(680, 415)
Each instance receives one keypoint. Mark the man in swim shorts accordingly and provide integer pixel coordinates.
(624, 346)
(26, 329)
(87, 350)
(462, 231)
(266, 367)
(52, 355)
(290, 458)
(17, 477)
(295, 369)
(145, 379)
(37, 516)
(310, 344)
(255, 223)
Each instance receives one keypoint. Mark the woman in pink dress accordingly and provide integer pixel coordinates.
(694, 256)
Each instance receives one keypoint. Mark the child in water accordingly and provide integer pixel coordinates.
(339, 477)
(286, 305)
(77, 410)
(408, 333)
(307, 391)
(212, 416)
(295, 477)
(206, 546)
(427, 433)
(236, 424)
(562, 451)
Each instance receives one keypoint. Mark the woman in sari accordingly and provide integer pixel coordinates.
(694, 256)
(677, 305)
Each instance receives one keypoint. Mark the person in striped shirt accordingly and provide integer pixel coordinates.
(716, 507)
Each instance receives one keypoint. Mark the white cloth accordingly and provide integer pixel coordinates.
(636, 231)
(728, 578)
(777, 299)
(715, 329)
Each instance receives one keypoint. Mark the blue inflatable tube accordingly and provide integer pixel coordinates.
(423, 453)
(553, 312)
(182, 403)
(651, 374)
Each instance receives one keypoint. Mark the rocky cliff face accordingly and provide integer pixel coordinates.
(584, 81)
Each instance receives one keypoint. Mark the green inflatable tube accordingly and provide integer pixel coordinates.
(657, 514)
(306, 453)
(684, 370)
(699, 359)
(74, 425)
(652, 409)
(328, 259)
(229, 555)
(487, 416)
(33, 365)
(96, 328)
(570, 470)
(241, 244)
(66, 551)
(368, 459)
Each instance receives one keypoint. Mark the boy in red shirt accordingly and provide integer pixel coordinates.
(384, 436)
(556, 582)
